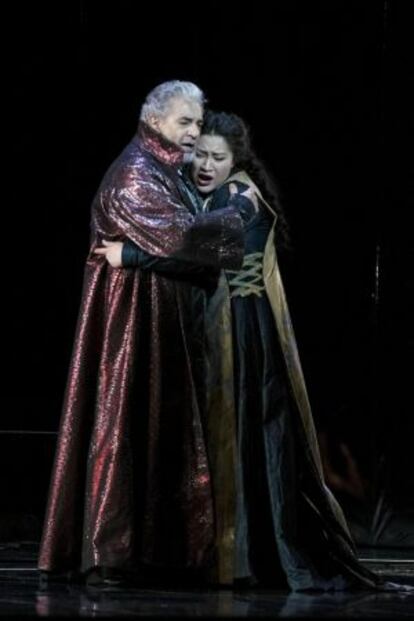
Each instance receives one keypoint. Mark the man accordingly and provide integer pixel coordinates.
(131, 484)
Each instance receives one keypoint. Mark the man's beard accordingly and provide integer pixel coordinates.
(188, 157)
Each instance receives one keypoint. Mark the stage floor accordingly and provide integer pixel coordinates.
(22, 594)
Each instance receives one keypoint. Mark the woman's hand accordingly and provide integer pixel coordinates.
(112, 252)
(250, 194)
(247, 207)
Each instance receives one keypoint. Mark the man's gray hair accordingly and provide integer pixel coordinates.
(158, 100)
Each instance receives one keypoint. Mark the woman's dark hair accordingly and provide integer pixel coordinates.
(237, 135)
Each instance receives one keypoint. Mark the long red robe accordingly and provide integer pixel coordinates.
(131, 481)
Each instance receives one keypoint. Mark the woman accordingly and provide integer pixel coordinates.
(275, 518)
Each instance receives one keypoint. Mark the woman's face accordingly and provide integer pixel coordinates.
(212, 163)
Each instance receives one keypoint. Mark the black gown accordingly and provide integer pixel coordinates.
(276, 534)
(284, 531)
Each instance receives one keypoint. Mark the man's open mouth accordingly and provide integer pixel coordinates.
(188, 146)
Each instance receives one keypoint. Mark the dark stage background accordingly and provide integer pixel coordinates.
(325, 87)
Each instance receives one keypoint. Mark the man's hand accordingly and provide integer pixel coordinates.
(112, 252)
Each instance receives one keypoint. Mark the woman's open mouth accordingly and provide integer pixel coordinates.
(204, 178)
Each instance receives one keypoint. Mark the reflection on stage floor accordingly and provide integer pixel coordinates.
(22, 593)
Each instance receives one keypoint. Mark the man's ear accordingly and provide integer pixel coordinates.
(154, 121)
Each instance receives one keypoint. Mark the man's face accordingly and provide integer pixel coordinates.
(181, 124)
(212, 163)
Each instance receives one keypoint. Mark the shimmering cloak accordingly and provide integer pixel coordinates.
(131, 480)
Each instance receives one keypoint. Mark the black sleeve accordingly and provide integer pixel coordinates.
(223, 198)
(134, 256)
(244, 206)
